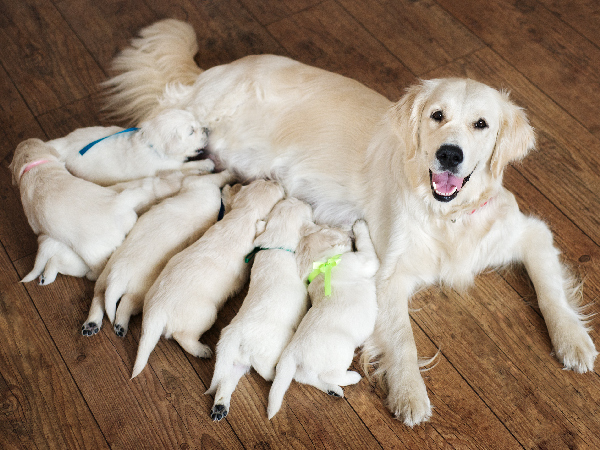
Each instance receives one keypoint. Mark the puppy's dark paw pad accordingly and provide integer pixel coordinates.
(90, 329)
(218, 412)
(120, 330)
(42, 280)
(334, 394)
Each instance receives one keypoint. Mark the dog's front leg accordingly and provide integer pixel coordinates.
(393, 337)
(557, 300)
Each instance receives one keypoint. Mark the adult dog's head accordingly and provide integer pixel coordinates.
(174, 134)
(458, 136)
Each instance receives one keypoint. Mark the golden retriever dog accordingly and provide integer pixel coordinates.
(184, 300)
(277, 300)
(110, 155)
(91, 220)
(165, 230)
(341, 318)
(425, 173)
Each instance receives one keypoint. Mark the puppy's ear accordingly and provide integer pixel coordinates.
(309, 228)
(515, 137)
(405, 116)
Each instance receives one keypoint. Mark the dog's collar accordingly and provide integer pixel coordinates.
(250, 255)
(91, 144)
(325, 269)
(474, 210)
(31, 165)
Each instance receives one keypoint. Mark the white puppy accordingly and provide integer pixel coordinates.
(277, 300)
(90, 220)
(425, 172)
(183, 302)
(54, 257)
(163, 231)
(109, 155)
(342, 317)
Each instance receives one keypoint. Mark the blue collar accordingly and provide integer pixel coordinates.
(91, 144)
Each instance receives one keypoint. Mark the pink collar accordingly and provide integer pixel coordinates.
(480, 206)
(31, 165)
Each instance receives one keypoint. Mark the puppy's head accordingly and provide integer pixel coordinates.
(175, 134)
(285, 223)
(322, 243)
(27, 152)
(258, 197)
(458, 136)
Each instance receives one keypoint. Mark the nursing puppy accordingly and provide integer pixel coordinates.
(165, 230)
(54, 257)
(425, 172)
(161, 144)
(183, 302)
(276, 301)
(322, 349)
(90, 220)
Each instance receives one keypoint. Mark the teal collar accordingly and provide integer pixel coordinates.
(91, 144)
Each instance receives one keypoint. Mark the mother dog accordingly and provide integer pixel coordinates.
(426, 174)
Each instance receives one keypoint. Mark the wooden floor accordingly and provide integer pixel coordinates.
(496, 384)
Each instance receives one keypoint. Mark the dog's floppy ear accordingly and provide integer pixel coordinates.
(515, 137)
(405, 116)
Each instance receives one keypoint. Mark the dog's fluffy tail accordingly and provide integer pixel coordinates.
(286, 369)
(152, 330)
(163, 54)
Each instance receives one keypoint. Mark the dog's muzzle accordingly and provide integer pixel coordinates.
(445, 184)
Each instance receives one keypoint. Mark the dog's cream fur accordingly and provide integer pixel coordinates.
(183, 302)
(163, 143)
(165, 230)
(89, 220)
(352, 153)
(277, 300)
(323, 346)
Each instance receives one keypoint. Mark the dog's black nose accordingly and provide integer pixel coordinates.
(449, 156)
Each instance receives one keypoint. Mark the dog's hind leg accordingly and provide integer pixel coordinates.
(225, 389)
(130, 305)
(314, 379)
(93, 322)
(341, 377)
(190, 343)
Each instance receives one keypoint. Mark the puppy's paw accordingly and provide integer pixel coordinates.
(203, 351)
(90, 329)
(120, 330)
(218, 412)
(412, 406)
(334, 394)
(335, 391)
(575, 349)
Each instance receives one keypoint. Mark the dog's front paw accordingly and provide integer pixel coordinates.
(90, 329)
(575, 349)
(218, 412)
(411, 404)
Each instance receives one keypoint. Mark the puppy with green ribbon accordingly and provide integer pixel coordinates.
(344, 307)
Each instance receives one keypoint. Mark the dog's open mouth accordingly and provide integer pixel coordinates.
(445, 185)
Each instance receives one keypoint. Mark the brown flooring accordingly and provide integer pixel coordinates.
(496, 384)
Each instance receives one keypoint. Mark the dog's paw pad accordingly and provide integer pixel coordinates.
(90, 329)
(120, 330)
(334, 394)
(42, 280)
(218, 412)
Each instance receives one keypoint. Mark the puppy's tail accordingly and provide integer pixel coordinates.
(286, 369)
(163, 54)
(152, 330)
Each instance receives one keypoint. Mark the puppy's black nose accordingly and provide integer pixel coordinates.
(449, 156)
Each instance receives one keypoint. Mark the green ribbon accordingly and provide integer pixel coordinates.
(250, 255)
(324, 268)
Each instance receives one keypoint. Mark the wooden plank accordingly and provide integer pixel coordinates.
(421, 34)
(267, 12)
(44, 59)
(225, 30)
(128, 414)
(42, 405)
(582, 15)
(556, 58)
(566, 166)
(326, 36)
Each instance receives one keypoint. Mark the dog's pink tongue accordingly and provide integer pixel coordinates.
(445, 183)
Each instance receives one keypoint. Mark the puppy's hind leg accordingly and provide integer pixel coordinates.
(190, 343)
(92, 324)
(130, 305)
(314, 379)
(225, 389)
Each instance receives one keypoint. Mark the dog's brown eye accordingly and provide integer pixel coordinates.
(481, 124)
(438, 116)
